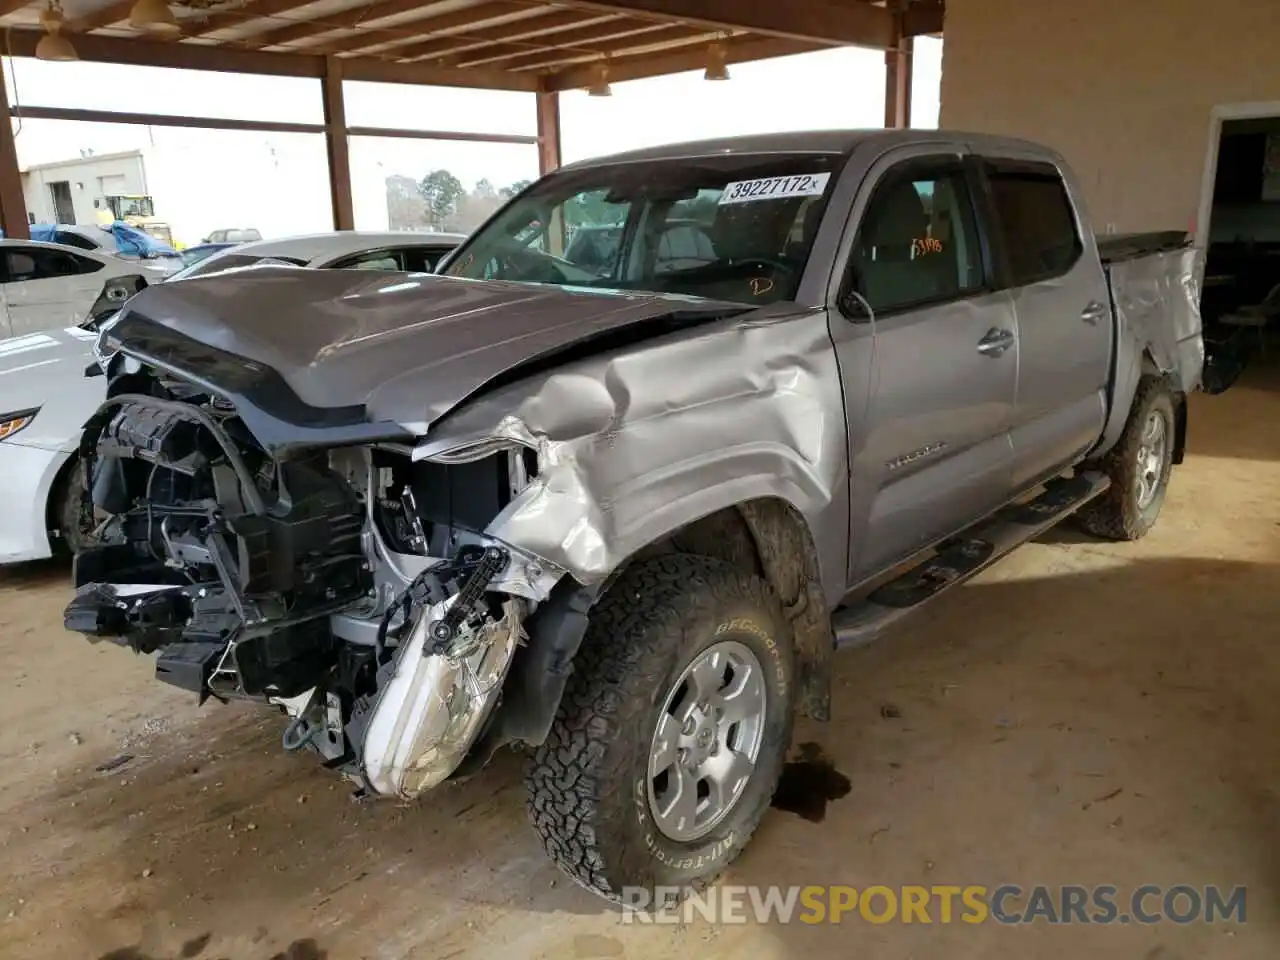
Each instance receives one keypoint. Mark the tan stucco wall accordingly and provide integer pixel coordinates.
(1123, 88)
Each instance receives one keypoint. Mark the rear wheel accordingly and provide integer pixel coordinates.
(671, 736)
(1139, 466)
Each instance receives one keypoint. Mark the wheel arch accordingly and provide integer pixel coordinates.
(767, 537)
(1128, 374)
(61, 477)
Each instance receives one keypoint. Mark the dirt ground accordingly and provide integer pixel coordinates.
(1083, 713)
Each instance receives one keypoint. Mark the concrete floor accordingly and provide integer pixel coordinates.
(1084, 713)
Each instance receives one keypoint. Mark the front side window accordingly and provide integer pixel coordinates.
(1036, 219)
(918, 240)
(731, 227)
(385, 260)
(69, 239)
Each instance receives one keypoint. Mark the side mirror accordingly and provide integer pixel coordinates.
(852, 304)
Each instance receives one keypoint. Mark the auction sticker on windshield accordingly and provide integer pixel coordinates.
(775, 188)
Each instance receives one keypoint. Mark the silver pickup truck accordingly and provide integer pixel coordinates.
(619, 500)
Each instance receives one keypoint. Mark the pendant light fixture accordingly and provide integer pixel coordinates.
(54, 45)
(599, 86)
(154, 16)
(716, 68)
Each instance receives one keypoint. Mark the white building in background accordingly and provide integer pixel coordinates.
(76, 191)
(198, 181)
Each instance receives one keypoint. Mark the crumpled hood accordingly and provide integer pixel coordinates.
(404, 347)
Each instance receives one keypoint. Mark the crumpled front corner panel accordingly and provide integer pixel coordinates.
(635, 445)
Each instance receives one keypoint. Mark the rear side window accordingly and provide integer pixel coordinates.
(37, 264)
(1036, 220)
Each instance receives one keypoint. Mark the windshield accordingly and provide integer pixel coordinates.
(134, 207)
(729, 227)
(229, 261)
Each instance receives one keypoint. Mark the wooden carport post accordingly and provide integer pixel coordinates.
(13, 206)
(897, 72)
(548, 131)
(335, 139)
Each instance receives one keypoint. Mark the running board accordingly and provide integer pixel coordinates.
(961, 557)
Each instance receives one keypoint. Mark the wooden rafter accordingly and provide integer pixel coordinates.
(658, 43)
(822, 22)
(111, 13)
(248, 13)
(363, 15)
(621, 68)
(539, 32)
(13, 6)
(585, 43)
(455, 21)
(563, 44)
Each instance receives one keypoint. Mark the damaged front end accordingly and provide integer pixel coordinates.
(353, 586)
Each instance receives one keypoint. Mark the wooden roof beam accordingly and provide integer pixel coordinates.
(923, 17)
(820, 22)
(226, 59)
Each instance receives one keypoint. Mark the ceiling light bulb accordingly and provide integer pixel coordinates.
(599, 86)
(154, 16)
(716, 69)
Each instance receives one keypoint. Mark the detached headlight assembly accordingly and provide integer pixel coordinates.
(12, 423)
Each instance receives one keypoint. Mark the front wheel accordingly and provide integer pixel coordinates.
(672, 732)
(1139, 466)
(73, 514)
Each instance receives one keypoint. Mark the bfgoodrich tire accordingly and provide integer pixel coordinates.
(1138, 465)
(686, 669)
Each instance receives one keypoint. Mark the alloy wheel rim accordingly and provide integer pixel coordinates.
(707, 741)
(1151, 453)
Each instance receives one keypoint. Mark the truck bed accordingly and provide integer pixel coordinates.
(1154, 279)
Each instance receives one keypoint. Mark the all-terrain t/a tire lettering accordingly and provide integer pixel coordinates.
(588, 796)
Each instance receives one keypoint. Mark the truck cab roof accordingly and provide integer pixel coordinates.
(816, 141)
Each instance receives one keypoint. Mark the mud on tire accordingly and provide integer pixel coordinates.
(1120, 514)
(588, 784)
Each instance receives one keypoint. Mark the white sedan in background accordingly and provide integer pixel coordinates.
(48, 285)
(46, 397)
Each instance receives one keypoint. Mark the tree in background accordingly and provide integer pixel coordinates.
(508, 192)
(441, 191)
(405, 207)
(440, 202)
